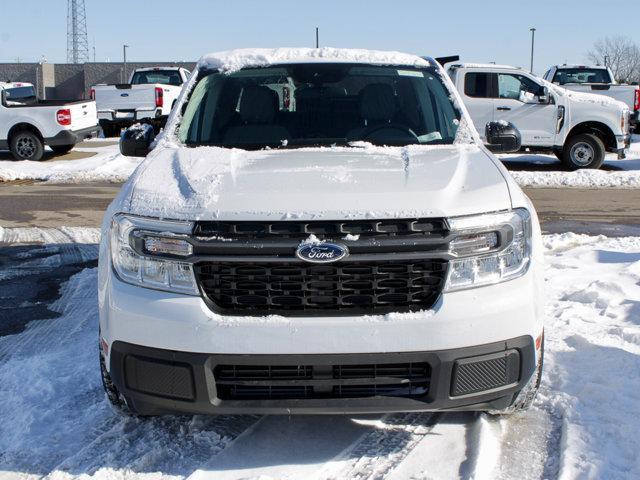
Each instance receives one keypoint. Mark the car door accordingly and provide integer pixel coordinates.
(518, 102)
(477, 99)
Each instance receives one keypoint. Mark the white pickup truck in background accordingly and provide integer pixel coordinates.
(148, 97)
(578, 127)
(27, 123)
(600, 81)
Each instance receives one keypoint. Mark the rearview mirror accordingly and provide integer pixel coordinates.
(136, 140)
(502, 137)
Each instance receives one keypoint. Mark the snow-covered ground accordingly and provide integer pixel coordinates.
(528, 170)
(544, 171)
(107, 165)
(55, 421)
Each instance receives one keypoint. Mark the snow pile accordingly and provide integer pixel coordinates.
(578, 179)
(106, 166)
(234, 60)
(626, 175)
(15, 235)
(592, 377)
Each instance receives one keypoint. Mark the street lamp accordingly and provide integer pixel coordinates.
(124, 69)
(533, 39)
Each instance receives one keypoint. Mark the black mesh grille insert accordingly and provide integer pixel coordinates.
(478, 374)
(302, 229)
(158, 377)
(339, 288)
(244, 382)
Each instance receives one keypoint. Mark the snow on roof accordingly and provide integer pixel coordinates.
(233, 60)
(484, 65)
(580, 66)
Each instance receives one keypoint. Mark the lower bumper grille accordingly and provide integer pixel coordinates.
(241, 382)
(341, 288)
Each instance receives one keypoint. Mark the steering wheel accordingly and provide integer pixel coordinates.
(406, 131)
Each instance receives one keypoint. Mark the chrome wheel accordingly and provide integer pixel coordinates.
(25, 146)
(582, 154)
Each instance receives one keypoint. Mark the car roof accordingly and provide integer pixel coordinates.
(151, 69)
(592, 67)
(233, 60)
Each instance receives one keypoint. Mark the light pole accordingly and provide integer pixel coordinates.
(124, 69)
(533, 40)
(317, 37)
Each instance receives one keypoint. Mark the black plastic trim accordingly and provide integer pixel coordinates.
(206, 400)
(71, 137)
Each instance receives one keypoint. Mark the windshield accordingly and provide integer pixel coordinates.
(581, 75)
(319, 104)
(164, 77)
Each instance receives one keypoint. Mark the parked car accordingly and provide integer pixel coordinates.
(360, 252)
(600, 81)
(579, 128)
(148, 97)
(27, 123)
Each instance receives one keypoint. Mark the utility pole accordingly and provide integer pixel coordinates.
(533, 41)
(317, 38)
(606, 61)
(124, 65)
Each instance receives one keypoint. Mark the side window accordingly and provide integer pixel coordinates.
(477, 84)
(516, 87)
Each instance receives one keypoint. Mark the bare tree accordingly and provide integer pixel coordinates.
(619, 53)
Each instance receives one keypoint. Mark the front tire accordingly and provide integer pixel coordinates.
(584, 150)
(61, 149)
(26, 145)
(116, 400)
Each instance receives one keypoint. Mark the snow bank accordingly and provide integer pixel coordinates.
(106, 166)
(14, 235)
(233, 60)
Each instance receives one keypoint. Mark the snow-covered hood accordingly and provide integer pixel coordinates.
(215, 183)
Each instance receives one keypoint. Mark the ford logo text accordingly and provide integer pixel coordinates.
(321, 252)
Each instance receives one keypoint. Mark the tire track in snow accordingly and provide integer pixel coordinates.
(379, 451)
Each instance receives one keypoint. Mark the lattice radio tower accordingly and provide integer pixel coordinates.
(77, 38)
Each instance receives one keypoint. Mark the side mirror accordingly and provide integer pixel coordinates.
(543, 95)
(502, 137)
(136, 140)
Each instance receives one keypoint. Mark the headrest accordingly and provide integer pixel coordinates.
(378, 102)
(257, 105)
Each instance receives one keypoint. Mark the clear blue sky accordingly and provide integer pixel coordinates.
(174, 30)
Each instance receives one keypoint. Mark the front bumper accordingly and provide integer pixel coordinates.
(485, 377)
(623, 142)
(71, 137)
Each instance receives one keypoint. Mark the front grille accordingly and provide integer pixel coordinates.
(414, 227)
(339, 288)
(246, 382)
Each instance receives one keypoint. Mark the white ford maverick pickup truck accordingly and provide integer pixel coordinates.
(320, 231)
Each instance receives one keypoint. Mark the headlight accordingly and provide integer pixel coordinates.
(488, 249)
(134, 243)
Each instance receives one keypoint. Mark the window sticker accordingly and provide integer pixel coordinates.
(430, 137)
(410, 73)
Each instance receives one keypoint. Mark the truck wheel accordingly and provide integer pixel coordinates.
(61, 149)
(26, 145)
(527, 395)
(583, 151)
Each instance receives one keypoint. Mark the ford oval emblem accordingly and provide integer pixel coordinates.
(124, 94)
(321, 252)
